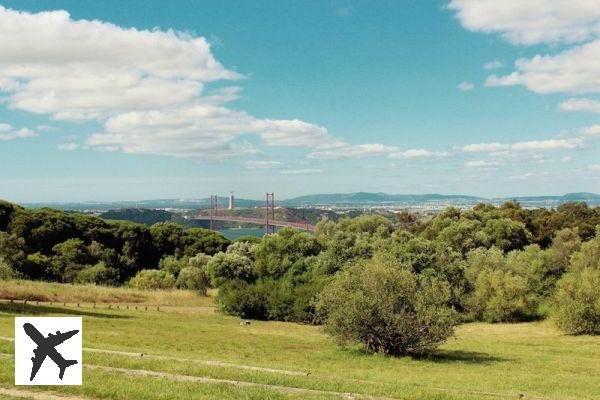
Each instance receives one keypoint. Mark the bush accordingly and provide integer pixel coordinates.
(153, 279)
(501, 296)
(6, 272)
(504, 289)
(577, 302)
(229, 266)
(193, 278)
(387, 309)
(173, 264)
(98, 274)
(245, 300)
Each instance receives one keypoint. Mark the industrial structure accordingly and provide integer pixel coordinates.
(231, 200)
(269, 221)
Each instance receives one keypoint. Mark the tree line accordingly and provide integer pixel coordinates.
(397, 286)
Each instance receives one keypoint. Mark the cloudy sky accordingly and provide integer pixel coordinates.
(122, 100)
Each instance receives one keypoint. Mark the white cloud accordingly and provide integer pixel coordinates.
(201, 131)
(566, 159)
(550, 144)
(418, 153)
(69, 146)
(465, 86)
(145, 86)
(493, 65)
(306, 171)
(580, 104)
(262, 164)
(529, 22)
(355, 151)
(485, 147)
(79, 69)
(594, 167)
(344, 11)
(591, 131)
(481, 164)
(7, 132)
(575, 70)
(503, 149)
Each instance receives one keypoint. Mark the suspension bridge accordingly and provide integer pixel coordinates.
(269, 221)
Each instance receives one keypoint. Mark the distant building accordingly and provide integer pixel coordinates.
(231, 199)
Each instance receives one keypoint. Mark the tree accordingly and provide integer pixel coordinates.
(192, 278)
(577, 302)
(286, 250)
(225, 267)
(6, 271)
(98, 274)
(153, 279)
(387, 309)
(501, 296)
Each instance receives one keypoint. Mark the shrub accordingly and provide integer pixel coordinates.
(98, 274)
(387, 309)
(577, 302)
(193, 278)
(245, 300)
(153, 279)
(501, 296)
(173, 264)
(6, 272)
(200, 260)
(503, 288)
(229, 266)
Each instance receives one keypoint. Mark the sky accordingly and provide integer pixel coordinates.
(131, 100)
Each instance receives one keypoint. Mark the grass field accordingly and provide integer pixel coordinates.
(194, 352)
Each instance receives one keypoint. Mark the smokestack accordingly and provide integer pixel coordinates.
(231, 205)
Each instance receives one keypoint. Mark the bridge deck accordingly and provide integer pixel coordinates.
(260, 221)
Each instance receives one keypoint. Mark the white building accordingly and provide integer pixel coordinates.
(231, 205)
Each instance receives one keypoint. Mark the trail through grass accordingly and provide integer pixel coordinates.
(482, 361)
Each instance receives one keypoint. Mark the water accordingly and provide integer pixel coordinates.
(234, 233)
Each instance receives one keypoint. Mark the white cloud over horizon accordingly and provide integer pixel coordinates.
(146, 87)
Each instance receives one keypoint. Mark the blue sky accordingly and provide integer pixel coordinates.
(119, 100)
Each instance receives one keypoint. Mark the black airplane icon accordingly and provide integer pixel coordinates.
(47, 348)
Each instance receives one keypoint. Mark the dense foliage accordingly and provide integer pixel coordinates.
(57, 246)
(364, 277)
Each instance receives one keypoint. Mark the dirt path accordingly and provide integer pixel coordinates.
(201, 379)
(211, 363)
(30, 394)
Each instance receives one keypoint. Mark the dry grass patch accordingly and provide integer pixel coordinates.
(61, 293)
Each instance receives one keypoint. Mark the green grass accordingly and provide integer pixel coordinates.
(482, 361)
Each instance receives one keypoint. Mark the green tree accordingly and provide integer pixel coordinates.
(577, 302)
(153, 279)
(225, 267)
(387, 309)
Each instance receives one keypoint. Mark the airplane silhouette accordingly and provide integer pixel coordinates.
(46, 348)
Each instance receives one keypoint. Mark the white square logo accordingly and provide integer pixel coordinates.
(48, 351)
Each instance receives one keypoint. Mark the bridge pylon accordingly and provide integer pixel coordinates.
(270, 213)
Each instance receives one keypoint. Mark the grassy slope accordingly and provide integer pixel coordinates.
(482, 361)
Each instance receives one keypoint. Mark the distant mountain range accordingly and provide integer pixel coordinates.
(335, 199)
(378, 198)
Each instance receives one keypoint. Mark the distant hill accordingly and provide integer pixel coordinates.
(143, 216)
(178, 204)
(378, 198)
(581, 196)
(333, 199)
